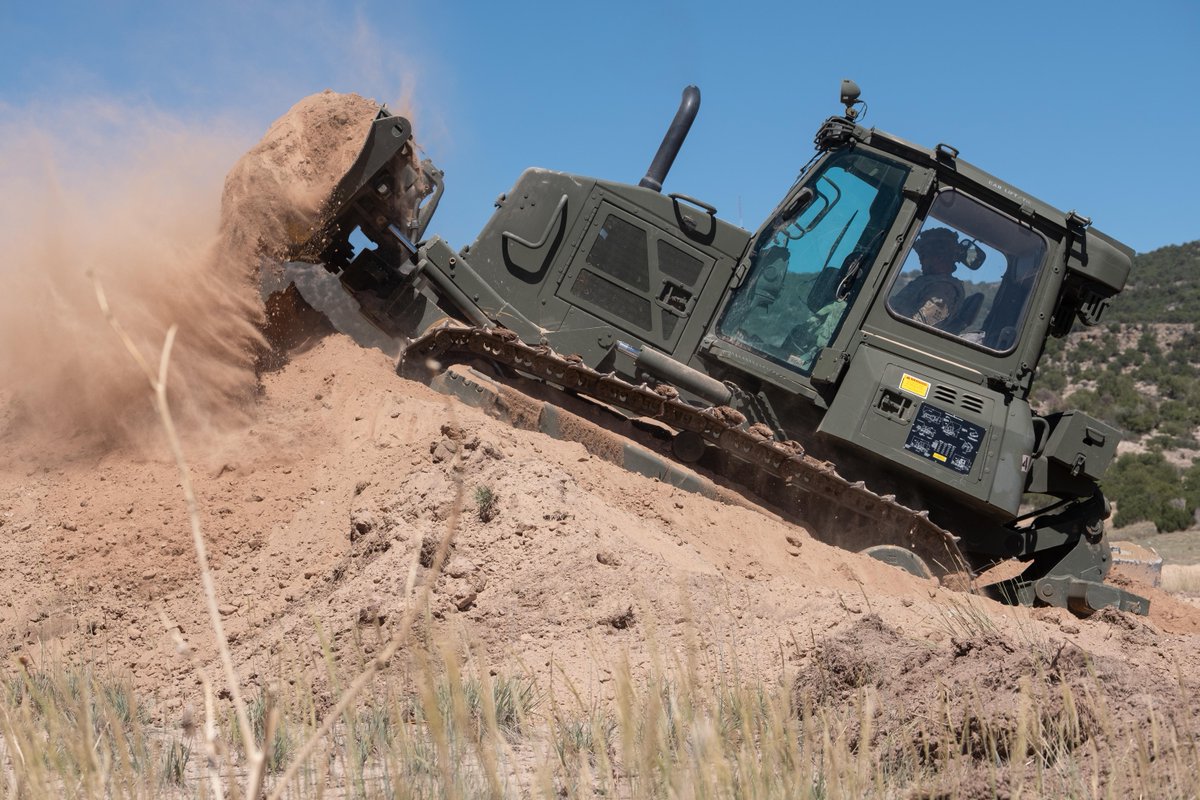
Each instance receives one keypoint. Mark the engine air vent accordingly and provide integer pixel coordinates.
(972, 403)
(945, 394)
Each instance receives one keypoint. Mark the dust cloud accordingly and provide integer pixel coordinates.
(136, 198)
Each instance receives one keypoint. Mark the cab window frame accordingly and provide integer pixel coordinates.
(1041, 267)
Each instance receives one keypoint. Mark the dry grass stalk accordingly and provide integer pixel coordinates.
(255, 755)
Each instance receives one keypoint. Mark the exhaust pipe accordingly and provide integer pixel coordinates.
(665, 157)
(678, 373)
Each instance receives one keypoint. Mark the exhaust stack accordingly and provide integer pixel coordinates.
(665, 157)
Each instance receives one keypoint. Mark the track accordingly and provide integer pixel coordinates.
(838, 511)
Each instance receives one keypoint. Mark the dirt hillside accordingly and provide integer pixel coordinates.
(324, 496)
(317, 511)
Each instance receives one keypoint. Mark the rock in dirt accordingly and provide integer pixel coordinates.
(371, 614)
(429, 547)
(362, 522)
(443, 450)
(621, 619)
(463, 595)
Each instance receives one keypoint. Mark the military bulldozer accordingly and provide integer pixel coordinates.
(862, 362)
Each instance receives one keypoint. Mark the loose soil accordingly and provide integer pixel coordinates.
(325, 496)
(320, 511)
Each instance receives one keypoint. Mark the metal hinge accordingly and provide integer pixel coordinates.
(918, 183)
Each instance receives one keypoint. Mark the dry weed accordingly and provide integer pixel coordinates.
(1181, 578)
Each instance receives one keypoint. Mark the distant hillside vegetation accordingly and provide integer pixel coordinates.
(1140, 370)
(1164, 286)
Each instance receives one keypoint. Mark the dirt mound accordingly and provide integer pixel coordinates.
(989, 701)
(321, 508)
(324, 513)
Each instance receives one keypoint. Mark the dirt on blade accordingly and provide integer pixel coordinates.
(274, 195)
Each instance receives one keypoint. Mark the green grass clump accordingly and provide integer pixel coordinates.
(485, 503)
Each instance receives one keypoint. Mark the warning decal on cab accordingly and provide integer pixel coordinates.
(914, 385)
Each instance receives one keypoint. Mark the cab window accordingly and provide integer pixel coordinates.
(807, 266)
(969, 274)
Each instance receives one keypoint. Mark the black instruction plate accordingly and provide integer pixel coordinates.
(944, 439)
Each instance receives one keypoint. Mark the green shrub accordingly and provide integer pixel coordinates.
(1146, 486)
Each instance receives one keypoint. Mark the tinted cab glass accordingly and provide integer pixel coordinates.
(969, 274)
(806, 268)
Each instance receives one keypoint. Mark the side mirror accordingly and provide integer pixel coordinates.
(970, 254)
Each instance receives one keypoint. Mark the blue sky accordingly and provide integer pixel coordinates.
(1086, 107)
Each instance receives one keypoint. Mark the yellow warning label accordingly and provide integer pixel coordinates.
(914, 385)
(939, 456)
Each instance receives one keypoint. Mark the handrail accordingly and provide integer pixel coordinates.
(558, 210)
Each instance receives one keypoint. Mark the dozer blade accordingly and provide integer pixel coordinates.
(387, 197)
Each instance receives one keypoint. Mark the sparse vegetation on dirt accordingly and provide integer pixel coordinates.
(872, 713)
(485, 503)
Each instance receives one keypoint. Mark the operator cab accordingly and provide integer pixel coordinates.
(908, 296)
(882, 243)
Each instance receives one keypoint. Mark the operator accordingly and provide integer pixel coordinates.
(935, 294)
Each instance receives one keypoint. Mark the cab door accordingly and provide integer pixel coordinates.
(814, 268)
(933, 384)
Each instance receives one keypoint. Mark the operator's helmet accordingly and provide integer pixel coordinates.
(937, 241)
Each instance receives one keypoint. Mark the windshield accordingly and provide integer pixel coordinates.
(806, 269)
